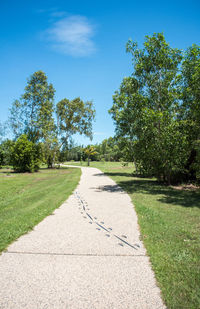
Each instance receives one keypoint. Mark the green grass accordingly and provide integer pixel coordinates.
(26, 199)
(100, 164)
(169, 220)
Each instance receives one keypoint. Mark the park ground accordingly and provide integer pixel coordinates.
(168, 219)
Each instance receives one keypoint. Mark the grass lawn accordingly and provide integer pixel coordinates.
(26, 199)
(104, 166)
(170, 227)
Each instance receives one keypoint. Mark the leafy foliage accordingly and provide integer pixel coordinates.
(90, 151)
(5, 152)
(26, 155)
(3, 128)
(74, 116)
(146, 109)
(33, 115)
(190, 107)
(110, 149)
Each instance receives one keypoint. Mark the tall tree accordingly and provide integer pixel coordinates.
(74, 116)
(6, 152)
(190, 107)
(190, 77)
(144, 109)
(16, 119)
(3, 127)
(33, 113)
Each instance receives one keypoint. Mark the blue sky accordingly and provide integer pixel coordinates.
(80, 45)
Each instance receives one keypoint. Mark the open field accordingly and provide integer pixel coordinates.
(170, 226)
(26, 199)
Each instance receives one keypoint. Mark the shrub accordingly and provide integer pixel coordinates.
(5, 152)
(25, 155)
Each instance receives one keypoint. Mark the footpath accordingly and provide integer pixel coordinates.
(86, 255)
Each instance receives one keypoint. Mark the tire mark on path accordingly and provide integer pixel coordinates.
(109, 230)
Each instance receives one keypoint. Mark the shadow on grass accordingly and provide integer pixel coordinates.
(115, 174)
(165, 194)
(8, 172)
(124, 174)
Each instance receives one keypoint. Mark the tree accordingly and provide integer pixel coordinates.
(90, 151)
(190, 107)
(5, 152)
(33, 115)
(38, 100)
(109, 150)
(3, 128)
(17, 123)
(128, 105)
(74, 116)
(26, 156)
(144, 109)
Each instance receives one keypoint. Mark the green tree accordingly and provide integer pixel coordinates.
(26, 156)
(144, 109)
(33, 115)
(190, 78)
(109, 149)
(74, 116)
(16, 119)
(38, 100)
(3, 130)
(90, 151)
(190, 107)
(5, 152)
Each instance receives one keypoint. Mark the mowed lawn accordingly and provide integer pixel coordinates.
(169, 220)
(26, 199)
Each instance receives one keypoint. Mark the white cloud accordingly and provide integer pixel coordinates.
(73, 36)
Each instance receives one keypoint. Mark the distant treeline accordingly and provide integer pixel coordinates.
(111, 149)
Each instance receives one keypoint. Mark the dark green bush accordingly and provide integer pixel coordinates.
(26, 156)
(5, 152)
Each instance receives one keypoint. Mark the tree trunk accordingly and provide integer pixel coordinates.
(169, 179)
(136, 168)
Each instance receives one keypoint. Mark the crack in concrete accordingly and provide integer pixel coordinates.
(73, 254)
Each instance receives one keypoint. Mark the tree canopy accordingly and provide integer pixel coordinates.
(33, 113)
(36, 116)
(74, 116)
(150, 106)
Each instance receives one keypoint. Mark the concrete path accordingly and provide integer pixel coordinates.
(86, 255)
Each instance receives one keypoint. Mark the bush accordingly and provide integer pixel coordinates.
(5, 152)
(1, 157)
(26, 156)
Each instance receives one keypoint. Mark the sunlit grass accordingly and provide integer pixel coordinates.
(26, 199)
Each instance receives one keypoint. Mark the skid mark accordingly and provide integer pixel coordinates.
(83, 207)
